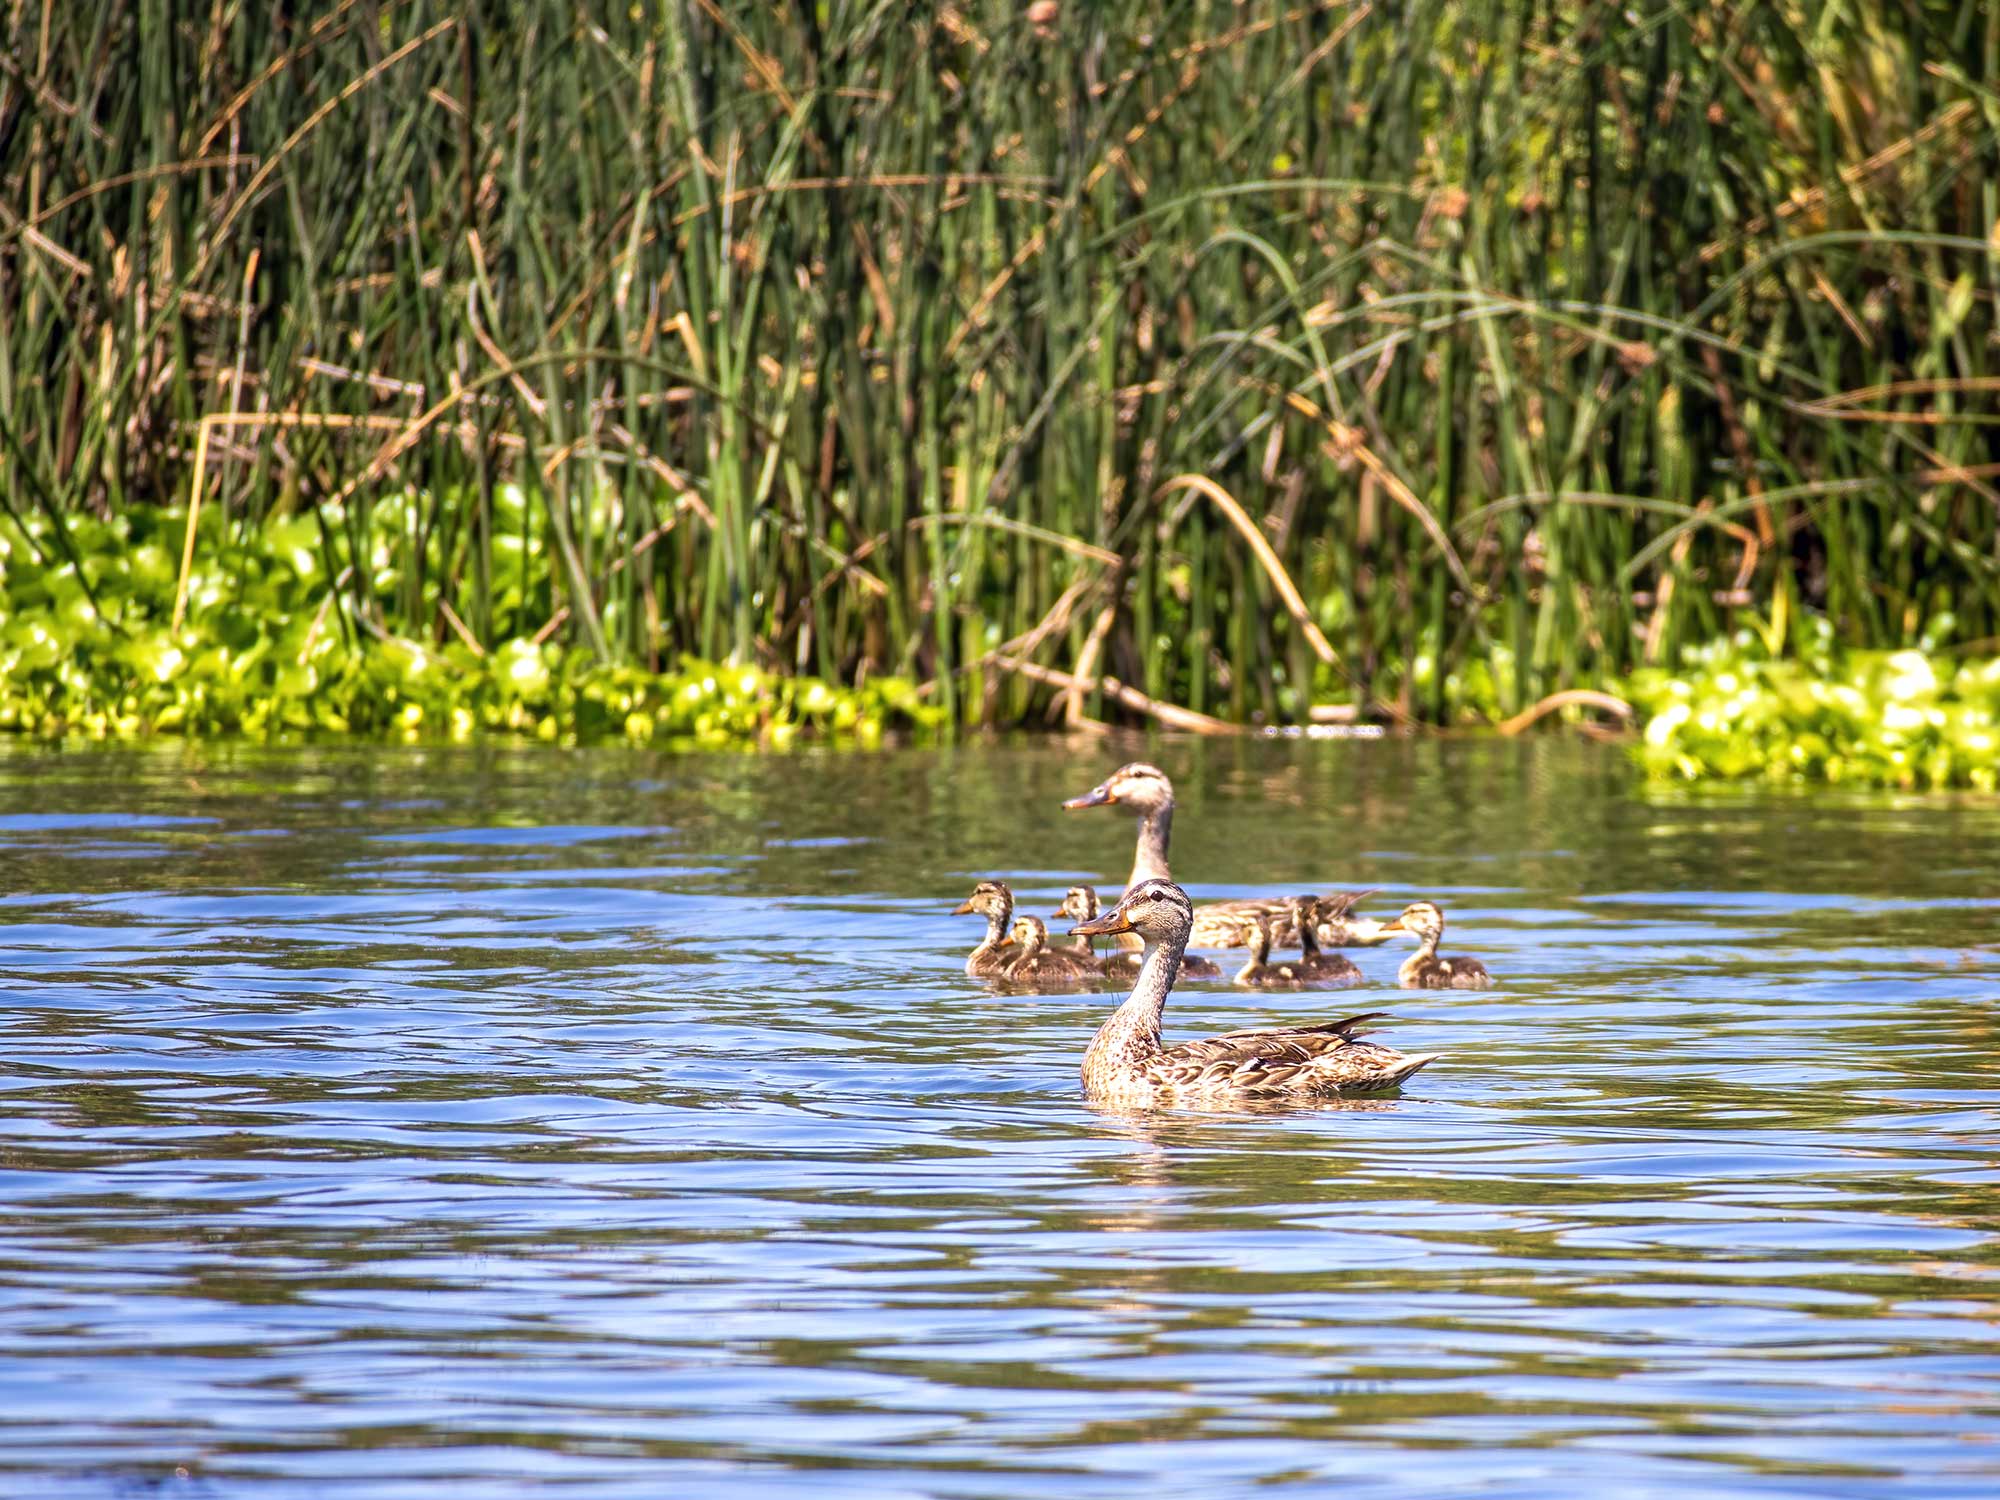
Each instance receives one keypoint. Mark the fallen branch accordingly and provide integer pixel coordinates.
(1563, 699)
(1170, 714)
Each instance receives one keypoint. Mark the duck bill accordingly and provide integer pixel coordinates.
(1394, 924)
(1102, 926)
(1097, 796)
(963, 909)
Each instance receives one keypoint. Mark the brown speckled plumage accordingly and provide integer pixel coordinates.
(1230, 924)
(1424, 970)
(1126, 1061)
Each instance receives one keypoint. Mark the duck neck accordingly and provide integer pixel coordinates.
(996, 929)
(1149, 860)
(1416, 963)
(1133, 1033)
(1086, 912)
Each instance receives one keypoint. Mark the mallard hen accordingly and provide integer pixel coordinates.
(1126, 1061)
(1218, 924)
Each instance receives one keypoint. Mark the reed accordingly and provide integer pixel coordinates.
(1423, 360)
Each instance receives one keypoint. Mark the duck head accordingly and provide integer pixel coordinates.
(1141, 787)
(989, 899)
(1079, 903)
(1158, 910)
(1420, 919)
(1030, 935)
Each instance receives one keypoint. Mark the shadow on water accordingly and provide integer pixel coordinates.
(412, 1121)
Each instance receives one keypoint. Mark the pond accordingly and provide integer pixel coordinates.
(421, 1122)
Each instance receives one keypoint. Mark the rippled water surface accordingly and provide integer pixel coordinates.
(460, 1123)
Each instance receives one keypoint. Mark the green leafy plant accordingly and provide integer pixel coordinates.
(1911, 718)
(271, 649)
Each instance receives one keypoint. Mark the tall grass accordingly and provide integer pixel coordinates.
(977, 344)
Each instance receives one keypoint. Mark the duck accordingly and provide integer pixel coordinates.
(1233, 924)
(1128, 1063)
(1147, 790)
(1260, 972)
(1424, 970)
(1080, 905)
(1311, 970)
(1326, 970)
(995, 902)
(1337, 925)
(1040, 965)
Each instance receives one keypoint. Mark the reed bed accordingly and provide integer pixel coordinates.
(1411, 362)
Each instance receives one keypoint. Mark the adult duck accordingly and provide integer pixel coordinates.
(1128, 1063)
(1218, 924)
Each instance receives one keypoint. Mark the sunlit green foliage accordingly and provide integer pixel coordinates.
(87, 648)
(1535, 341)
(1875, 718)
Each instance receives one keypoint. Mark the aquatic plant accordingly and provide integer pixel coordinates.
(1910, 718)
(1420, 359)
(89, 648)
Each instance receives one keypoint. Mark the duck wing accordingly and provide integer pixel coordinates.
(1340, 903)
(1287, 1060)
(1343, 1028)
(1228, 924)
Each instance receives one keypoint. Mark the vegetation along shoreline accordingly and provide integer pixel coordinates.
(522, 367)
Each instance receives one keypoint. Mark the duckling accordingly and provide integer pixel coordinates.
(1327, 970)
(1337, 925)
(995, 902)
(1260, 972)
(1126, 1062)
(1424, 970)
(1312, 970)
(1043, 966)
(1080, 904)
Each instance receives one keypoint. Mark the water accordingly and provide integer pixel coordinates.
(461, 1123)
